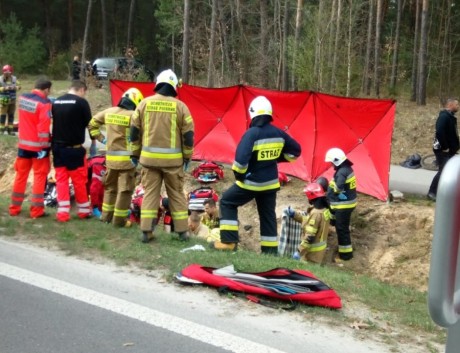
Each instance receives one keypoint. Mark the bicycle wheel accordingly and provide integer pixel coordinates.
(429, 162)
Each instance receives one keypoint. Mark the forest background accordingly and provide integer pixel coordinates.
(380, 48)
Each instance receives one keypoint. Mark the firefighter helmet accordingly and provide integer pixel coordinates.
(134, 95)
(336, 156)
(313, 191)
(260, 106)
(169, 77)
(7, 69)
(323, 182)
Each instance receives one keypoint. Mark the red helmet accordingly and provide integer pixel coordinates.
(7, 69)
(313, 191)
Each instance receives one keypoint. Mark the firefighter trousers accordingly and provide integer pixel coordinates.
(342, 228)
(22, 166)
(7, 111)
(152, 179)
(266, 204)
(118, 188)
(79, 178)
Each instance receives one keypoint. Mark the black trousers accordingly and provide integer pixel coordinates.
(342, 228)
(266, 204)
(441, 158)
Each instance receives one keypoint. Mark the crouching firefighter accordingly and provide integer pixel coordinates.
(162, 128)
(256, 173)
(121, 159)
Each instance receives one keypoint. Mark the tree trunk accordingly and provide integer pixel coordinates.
(298, 27)
(224, 42)
(422, 58)
(186, 42)
(85, 40)
(336, 46)
(350, 28)
(378, 29)
(283, 57)
(104, 28)
(70, 21)
(264, 57)
(394, 66)
(413, 97)
(318, 76)
(212, 44)
(129, 43)
(48, 28)
(366, 86)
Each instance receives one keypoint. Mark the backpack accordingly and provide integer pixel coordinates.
(208, 172)
(197, 197)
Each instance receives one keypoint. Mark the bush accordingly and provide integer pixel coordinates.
(22, 49)
(59, 67)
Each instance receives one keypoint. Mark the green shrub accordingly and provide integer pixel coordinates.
(59, 67)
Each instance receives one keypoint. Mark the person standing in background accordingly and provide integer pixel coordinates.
(9, 85)
(446, 142)
(71, 115)
(76, 68)
(33, 148)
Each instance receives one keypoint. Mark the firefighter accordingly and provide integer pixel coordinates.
(162, 128)
(341, 195)
(33, 148)
(210, 218)
(121, 159)
(315, 225)
(71, 115)
(256, 173)
(9, 85)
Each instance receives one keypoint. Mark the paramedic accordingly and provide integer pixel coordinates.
(33, 148)
(121, 159)
(71, 115)
(341, 195)
(162, 128)
(9, 85)
(256, 173)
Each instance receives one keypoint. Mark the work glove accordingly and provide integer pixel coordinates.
(104, 141)
(93, 149)
(41, 154)
(342, 196)
(238, 176)
(186, 164)
(134, 161)
(310, 239)
(291, 212)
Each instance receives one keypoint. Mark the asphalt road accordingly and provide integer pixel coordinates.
(55, 303)
(412, 181)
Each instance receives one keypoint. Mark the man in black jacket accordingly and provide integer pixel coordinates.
(446, 142)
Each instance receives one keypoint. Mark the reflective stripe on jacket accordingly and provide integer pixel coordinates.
(163, 123)
(344, 181)
(34, 121)
(9, 94)
(119, 150)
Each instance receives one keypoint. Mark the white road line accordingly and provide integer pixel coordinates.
(152, 317)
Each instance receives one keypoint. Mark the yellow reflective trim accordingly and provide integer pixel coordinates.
(118, 158)
(173, 130)
(161, 106)
(161, 155)
(238, 169)
(117, 119)
(317, 247)
(269, 243)
(121, 213)
(94, 133)
(269, 154)
(352, 182)
(149, 213)
(257, 188)
(228, 227)
(311, 230)
(146, 129)
(188, 119)
(264, 146)
(107, 208)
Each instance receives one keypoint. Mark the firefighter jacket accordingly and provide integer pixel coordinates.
(210, 222)
(166, 130)
(258, 153)
(315, 230)
(119, 149)
(343, 182)
(34, 121)
(8, 88)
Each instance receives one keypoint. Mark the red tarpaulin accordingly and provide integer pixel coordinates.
(362, 128)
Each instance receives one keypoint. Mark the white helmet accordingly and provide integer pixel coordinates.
(169, 77)
(260, 106)
(336, 156)
(134, 95)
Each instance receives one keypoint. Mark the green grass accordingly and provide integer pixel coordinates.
(91, 239)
